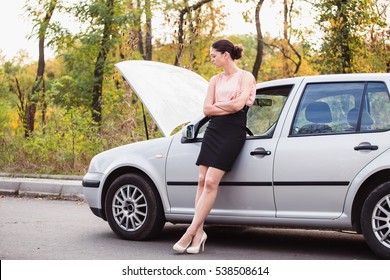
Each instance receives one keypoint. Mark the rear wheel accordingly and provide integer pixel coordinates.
(133, 208)
(375, 220)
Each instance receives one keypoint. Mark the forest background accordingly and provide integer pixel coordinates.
(57, 113)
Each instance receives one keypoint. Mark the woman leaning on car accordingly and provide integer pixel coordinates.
(228, 98)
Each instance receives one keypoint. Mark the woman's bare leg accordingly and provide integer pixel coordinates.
(202, 174)
(187, 237)
(204, 203)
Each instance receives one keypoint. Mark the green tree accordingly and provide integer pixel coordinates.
(41, 14)
(344, 23)
(103, 20)
(106, 12)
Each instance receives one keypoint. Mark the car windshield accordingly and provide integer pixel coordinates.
(264, 113)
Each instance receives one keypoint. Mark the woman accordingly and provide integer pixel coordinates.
(229, 96)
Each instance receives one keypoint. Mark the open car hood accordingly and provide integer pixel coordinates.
(172, 95)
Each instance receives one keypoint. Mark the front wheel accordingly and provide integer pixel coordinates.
(133, 208)
(375, 220)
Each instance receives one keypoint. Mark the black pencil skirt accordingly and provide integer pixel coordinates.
(223, 140)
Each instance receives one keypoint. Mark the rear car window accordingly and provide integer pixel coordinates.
(331, 108)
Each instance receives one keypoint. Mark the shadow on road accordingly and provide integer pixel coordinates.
(273, 243)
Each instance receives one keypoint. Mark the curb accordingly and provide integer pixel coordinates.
(65, 187)
(41, 176)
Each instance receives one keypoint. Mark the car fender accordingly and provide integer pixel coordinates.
(148, 156)
(380, 163)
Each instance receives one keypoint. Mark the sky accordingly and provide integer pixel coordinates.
(15, 28)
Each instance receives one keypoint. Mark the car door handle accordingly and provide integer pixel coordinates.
(260, 152)
(366, 146)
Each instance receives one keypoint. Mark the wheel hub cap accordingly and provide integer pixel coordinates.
(129, 207)
(381, 221)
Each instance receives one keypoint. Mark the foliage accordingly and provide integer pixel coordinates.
(347, 26)
(65, 142)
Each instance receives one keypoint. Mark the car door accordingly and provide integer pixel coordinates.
(244, 191)
(247, 190)
(338, 128)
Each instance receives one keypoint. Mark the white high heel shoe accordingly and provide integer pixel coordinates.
(180, 249)
(197, 249)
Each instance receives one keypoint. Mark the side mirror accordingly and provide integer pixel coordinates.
(188, 132)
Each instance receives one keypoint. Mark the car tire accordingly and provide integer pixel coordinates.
(375, 220)
(133, 208)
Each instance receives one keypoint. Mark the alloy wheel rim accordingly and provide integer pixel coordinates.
(129, 208)
(381, 221)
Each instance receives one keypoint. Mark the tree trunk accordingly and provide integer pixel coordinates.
(180, 39)
(140, 35)
(299, 62)
(285, 40)
(346, 56)
(260, 42)
(100, 65)
(39, 84)
(148, 37)
(22, 108)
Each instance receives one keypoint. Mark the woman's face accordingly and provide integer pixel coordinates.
(217, 58)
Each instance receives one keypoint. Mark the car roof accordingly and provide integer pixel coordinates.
(327, 78)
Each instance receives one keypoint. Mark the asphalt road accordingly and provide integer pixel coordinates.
(44, 229)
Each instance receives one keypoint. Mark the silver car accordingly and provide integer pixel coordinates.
(317, 155)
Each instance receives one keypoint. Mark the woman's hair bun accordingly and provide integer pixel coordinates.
(237, 51)
(224, 45)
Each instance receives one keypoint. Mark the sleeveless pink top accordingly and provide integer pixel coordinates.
(228, 87)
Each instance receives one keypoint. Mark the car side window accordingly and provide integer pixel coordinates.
(333, 108)
(264, 113)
